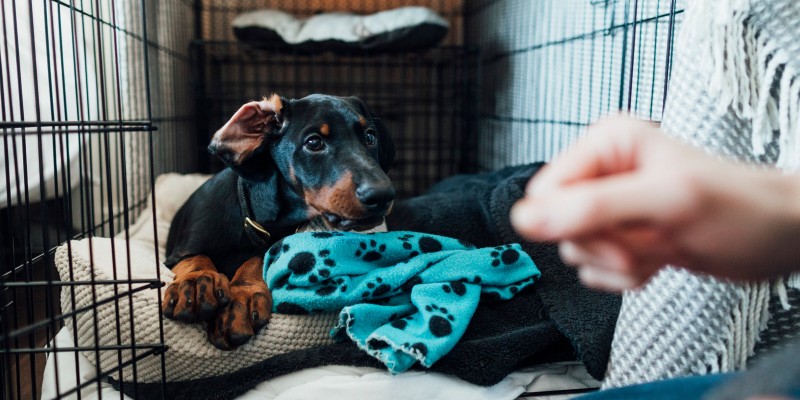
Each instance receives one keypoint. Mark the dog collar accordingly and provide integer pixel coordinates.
(255, 231)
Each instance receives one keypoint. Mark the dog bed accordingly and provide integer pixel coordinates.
(190, 355)
(334, 382)
(400, 29)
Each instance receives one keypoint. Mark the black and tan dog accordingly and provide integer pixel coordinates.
(289, 161)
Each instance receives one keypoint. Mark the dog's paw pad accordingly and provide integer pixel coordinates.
(248, 312)
(197, 292)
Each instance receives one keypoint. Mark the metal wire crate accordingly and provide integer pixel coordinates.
(556, 66)
(424, 98)
(94, 103)
(98, 98)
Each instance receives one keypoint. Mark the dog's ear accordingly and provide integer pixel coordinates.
(246, 133)
(385, 143)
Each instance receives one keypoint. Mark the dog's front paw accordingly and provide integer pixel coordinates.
(249, 309)
(197, 292)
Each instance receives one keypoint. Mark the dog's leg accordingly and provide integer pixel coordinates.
(197, 292)
(249, 309)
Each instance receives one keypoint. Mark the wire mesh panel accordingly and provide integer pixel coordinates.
(559, 65)
(99, 97)
(215, 16)
(93, 97)
(426, 98)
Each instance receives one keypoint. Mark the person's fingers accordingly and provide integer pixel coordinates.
(607, 264)
(608, 147)
(599, 253)
(584, 208)
(599, 278)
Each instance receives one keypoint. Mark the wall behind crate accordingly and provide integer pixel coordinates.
(558, 65)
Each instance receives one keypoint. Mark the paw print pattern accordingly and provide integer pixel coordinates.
(440, 323)
(419, 348)
(466, 244)
(325, 260)
(377, 344)
(409, 284)
(326, 290)
(306, 263)
(504, 254)
(428, 244)
(274, 251)
(302, 263)
(376, 289)
(401, 323)
(325, 235)
(406, 241)
(455, 287)
(514, 289)
(408, 245)
(371, 252)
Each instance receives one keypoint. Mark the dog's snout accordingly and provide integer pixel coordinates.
(375, 197)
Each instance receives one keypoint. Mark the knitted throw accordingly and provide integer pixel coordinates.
(734, 92)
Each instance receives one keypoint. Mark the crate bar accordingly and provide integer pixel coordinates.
(87, 348)
(103, 374)
(587, 35)
(92, 307)
(79, 283)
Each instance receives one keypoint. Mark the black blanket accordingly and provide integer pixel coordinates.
(557, 320)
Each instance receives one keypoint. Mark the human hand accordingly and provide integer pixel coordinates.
(627, 200)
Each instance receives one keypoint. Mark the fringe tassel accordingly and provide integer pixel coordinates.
(744, 66)
(749, 318)
(794, 281)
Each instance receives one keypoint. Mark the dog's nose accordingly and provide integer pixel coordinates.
(375, 197)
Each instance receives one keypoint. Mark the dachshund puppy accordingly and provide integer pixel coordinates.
(289, 161)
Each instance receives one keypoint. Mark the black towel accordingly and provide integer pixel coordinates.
(476, 208)
(557, 319)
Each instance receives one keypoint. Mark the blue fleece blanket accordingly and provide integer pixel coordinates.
(403, 297)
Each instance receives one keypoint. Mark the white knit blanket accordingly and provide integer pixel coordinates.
(734, 92)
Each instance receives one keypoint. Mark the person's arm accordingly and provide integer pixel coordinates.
(627, 200)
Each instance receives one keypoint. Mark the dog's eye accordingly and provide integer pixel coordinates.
(314, 143)
(370, 138)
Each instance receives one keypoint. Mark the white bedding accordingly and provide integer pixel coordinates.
(339, 382)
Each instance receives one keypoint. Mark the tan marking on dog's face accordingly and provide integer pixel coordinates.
(276, 102)
(339, 198)
(324, 129)
(362, 121)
